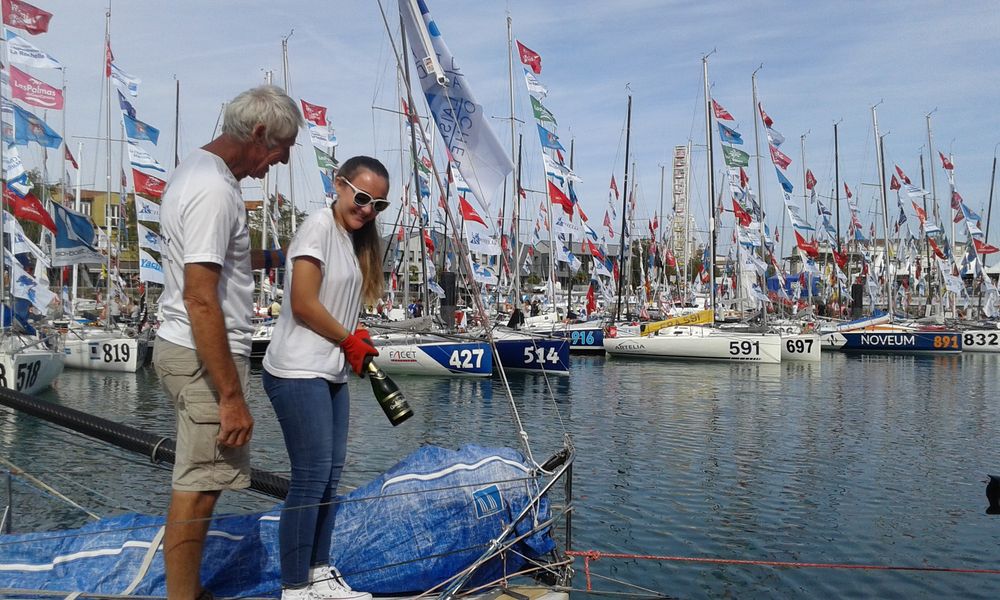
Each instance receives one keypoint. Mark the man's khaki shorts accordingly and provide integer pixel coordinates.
(202, 464)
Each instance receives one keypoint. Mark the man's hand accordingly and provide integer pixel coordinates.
(235, 423)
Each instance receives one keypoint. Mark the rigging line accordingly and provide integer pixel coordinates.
(108, 500)
(28, 477)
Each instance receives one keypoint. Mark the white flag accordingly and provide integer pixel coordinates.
(535, 88)
(25, 286)
(14, 173)
(142, 159)
(149, 269)
(482, 244)
(483, 274)
(147, 237)
(320, 136)
(147, 210)
(461, 120)
(125, 81)
(20, 51)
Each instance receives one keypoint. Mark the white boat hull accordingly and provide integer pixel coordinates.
(105, 352)
(30, 370)
(699, 343)
(456, 359)
(981, 340)
(804, 347)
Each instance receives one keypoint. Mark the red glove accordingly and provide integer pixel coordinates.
(357, 347)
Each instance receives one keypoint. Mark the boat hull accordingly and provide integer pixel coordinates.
(462, 359)
(980, 340)
(804, 347)
(582, 340)
(699, 345)
(901, 342)
(106, 353)
(533, 354)
(31, 370)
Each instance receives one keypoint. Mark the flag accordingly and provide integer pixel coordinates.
(468, 212)
(13, 170)
(124, 181)
(785, 183)
(125, 81)
(720, 113)
(934, 247)
(614, 187)
(314, 113)
(841, 259)
(22, 15)
(22, 52)
(894, 183)
(137, 130)
(461, 120)
(529, 58)
(148, 238)
(141, 159)
(20, 244)
(29, 128)
(23, 285)
(969, 214)
(729, 135)
(810, 180)
(75, 237)
(902, 175)
(591, 299)
(147, 184)
(483, 244)
(956, 200)
(779, 158)
(147, 210)
(742, 216)
(735, 157)
(810, 248)
(921, 215)
(763, 116)
(34, 91)
(125, 105)
(29, 208)
(429, 241)
(558, 197)
(541, 113)
(946, 162)
(774, 136)
(69, 157)
(847, 191)
(324, 160)
(548, 139)
(535, 87)
(983, 247)
(149, 269)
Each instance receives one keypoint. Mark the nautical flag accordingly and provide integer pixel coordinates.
(22, 52)
(729, 135)
(956, 200)
(29, 208)
(735, 157)
(142, 159)
(148, 238)
(137, 130)
(125, 81)
(774, 136)
(742, 216)
(461, 120)
(763, 116)
(23, 285)
(34, 91)
(810, 180)
(614, 186)
(468, 212)
(847, 191)
(894, 183)
(591, 299)
(323, 160)
(320, 136)
(797, 221)
(558, 197)
(147, 210)
(75, 237)
(720, 113)
(779, 158)
(20, 244)
(22, 15)
(429, 241)
(946, 162)
(483, 244)
(29, 128)
(541, 113)
(69, 157)
(147, 184)
(921, 215)
(902, 175)
(810, 248)
(125, 105)
(314, 113)
(983, 247)
(548, 139)
(534, 86)
(934, 247)
(785, 183)
(13, 171)
(149, 270)
(969, 214)
(529, 58)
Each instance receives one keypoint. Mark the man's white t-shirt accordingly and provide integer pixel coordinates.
(296, 351)
(203, 220)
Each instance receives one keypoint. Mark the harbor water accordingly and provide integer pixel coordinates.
(865, 461)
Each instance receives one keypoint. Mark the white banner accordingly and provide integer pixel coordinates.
(142, 159)
(147, 237)
(147, 210)
(149, 269)
(25, 286)
(20, 51)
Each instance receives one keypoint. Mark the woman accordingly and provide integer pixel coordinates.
(334, 264)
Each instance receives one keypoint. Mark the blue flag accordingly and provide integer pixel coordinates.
(785, 184)
(549, 139)
(125, 105)
(137, 130)
(75, 238)
(29, 128)
(969, 214)
(729, 135)
(327, 184)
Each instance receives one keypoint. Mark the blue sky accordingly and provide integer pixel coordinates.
(822, 62)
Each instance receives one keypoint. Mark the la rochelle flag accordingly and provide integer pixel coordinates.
(461, 120)
(75, 238)
(149, 269)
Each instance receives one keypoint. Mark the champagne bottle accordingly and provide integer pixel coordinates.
(388, 394)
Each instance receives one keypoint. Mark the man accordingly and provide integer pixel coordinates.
(202, 356)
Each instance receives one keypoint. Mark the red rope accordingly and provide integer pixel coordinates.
(596, 554)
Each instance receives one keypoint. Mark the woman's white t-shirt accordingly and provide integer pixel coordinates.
(296, 351)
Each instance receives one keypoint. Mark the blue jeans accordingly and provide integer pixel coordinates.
(313, 414)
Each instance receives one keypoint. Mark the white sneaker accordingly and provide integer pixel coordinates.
(329, 584)
(296, 594)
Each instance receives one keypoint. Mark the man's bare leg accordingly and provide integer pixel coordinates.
(187, 525)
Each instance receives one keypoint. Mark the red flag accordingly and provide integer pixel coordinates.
(671, 259)
(841, 259)
(147, 184)
(34, 91)
(591, 300)
(810, 248)
(583, 217)
(69, 157)
(934, 247)
(29, 208)
(902, 175)
(428, 241)
(894, 183)
(983, 247)
(468, 212)
(614, 269)
(400, 233)
(594, 250)
(847, 191)
(779, 158)
(946, 162)
(125, 181)
(25, 16)
(558, 197)
(108, 58)
(956, 200)
(921, 215)
(763, 115)
(614, 186)
(916, 272)
(810, 180)
(744, 179)
(313, 113)
(741, 215)
(530, 58)
(721, 113)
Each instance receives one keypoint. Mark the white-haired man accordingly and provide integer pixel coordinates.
(202, 354)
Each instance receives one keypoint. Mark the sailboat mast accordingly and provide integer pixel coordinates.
(177, 121)
(621, 240)
(760, 186)
(711, 180)
(885, 212)
(934, 201)
(107, 179)
(291, 180)
(515, 191)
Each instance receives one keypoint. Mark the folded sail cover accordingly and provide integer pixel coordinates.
(421, 522)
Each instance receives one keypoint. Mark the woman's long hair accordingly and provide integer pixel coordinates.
(367, 241)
